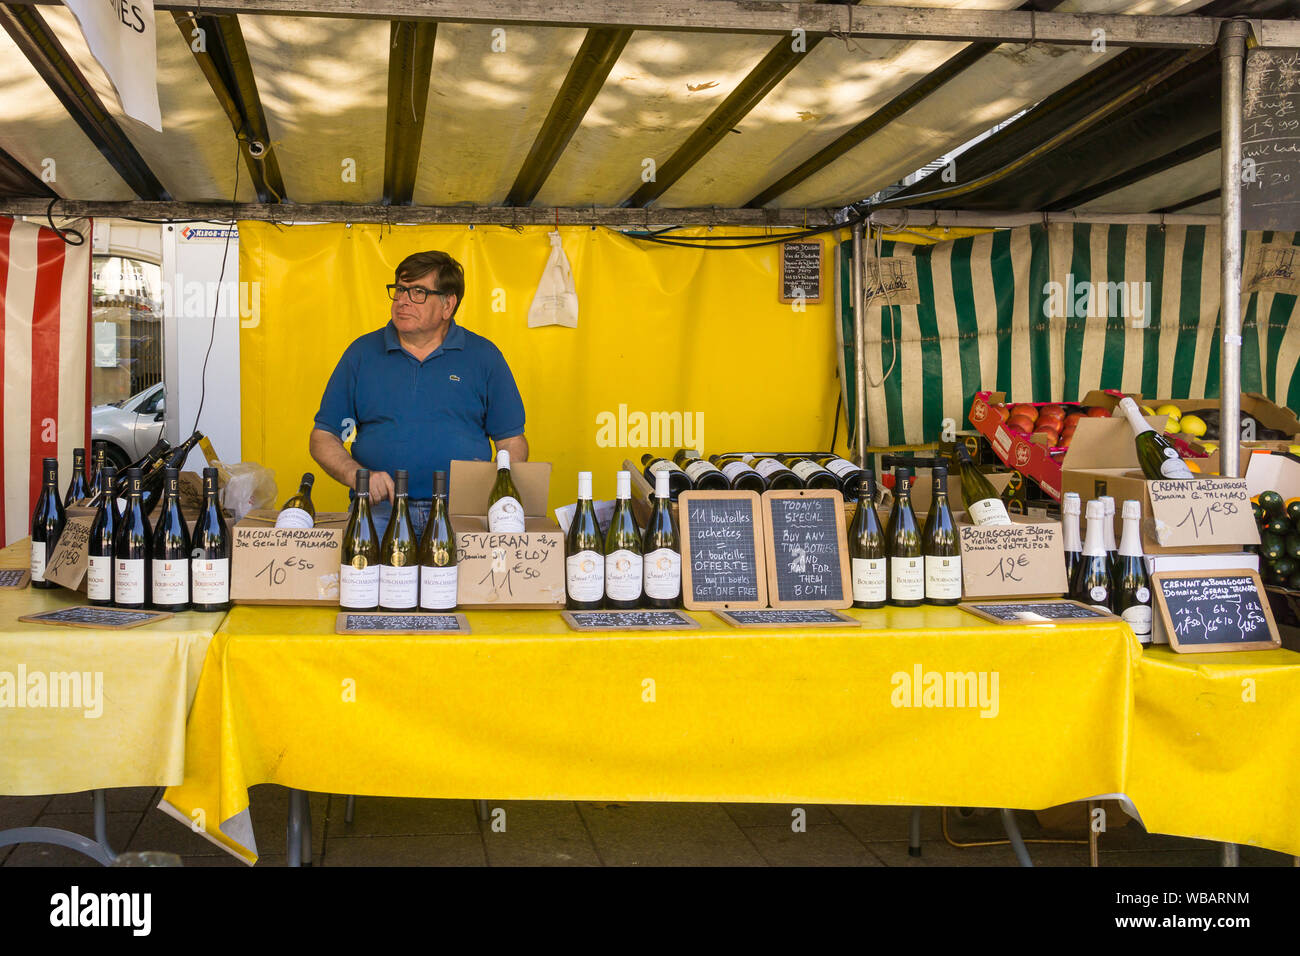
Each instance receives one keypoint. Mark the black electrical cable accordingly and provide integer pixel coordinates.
(216, 306)
(62, 233)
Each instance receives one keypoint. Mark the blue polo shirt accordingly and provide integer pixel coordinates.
(421, 415)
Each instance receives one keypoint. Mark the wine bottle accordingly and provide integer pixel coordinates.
(210, 557)
(99, 545)
(940, 546)
(505, 507)
(983, 505)
(623, 574)
(1155, 453)
(584, 554)
(131, 546)
(78, 490)
(810, 473)
(1070, 509)
(438, 576)
(399, 555)
(359, 557)
(677, 479)
(845, 472)
(903, 544)
(175, 457)
(48, 519)
(1108, 534)
(739, 474)
(152, 484)
(867, 548)
(662, 564)
(145, 463)
(98, 459)
(704, 474)
(777, 475)
(1132, 589)
(170, 552)
(1091, 583)
(298, 511)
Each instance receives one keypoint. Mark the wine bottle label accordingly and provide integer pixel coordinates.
(988, 511)
(99, 578)
(1173, 466)
(663, 464)
(869, 579)
(437, 588)
(1098, 593)
(585, 576)
(358, 587)
(399, 587)
(294, 518)
(506, 515)
(38, 560)
(663, 574)
(171, 580)
(733, 469)
(907, 579)
(943, 577)
(699, 467)
(806, 469)
(1139, 618)
(623, 575)
(839, 467)
(767, 467)
(128, 580)
(1143, 594)
(211, 580)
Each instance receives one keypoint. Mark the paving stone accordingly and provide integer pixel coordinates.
(1113, 858)
(777, 814)
(940, 853)
(443, 850)
(879, 824)
(667, 834)
(124, 798)
(395, 816)
(539, 833)
(829, 844)
(120, 828)
(1258, 856)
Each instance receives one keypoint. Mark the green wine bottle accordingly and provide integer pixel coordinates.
(940, 546)
(584, 554)
(210, 557)
(170, 578)
(359, 556)
(1132, 589)
(623, 562)
(1155, 453)
(438, 575)
(1092, 580)
(399, 557)
(48, 519)
(298, 511)
(661, 547)
(983, 504)
(505, 507)
(867, 548)
(903, 541)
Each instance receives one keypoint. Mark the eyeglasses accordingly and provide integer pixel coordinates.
(416, 293)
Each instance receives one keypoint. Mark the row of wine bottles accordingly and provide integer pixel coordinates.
(688, 470)
(1100, 575)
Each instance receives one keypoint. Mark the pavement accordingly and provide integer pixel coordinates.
(405, 832)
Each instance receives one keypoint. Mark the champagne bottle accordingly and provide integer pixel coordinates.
(777, 475)
(662, 564)
(867, 548)
(298, 511)
(845, 472)
(359, 557)
(210, 557)
(78, 490)
(739, 474)
(99, 546)
(1155, 453)
(131, 545)
(98, 459)
(438, 576)
(1132, 589)
(1070, 509)
(48, 519)
(1091, 582)
(399, 555)
(623, 575)
(584, 554)
(703, 473)
(940, 546)
(810, 473)
(903, 544)
(983, 505)
(505, 507)
(677, 479)
(1108, 534)
(170, 552)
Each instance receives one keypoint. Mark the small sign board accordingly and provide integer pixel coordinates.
(1214, 611)
(1021, 558)
(648, 620)
(788, 617)
(68, 560)
(1188, 514)
(722, 563)
(806, 548)
(103, 618)
(390, 622)
(1037, 612)
(14, 578)
(1270, 147)
(802, 271)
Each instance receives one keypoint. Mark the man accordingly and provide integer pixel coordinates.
(420, 392)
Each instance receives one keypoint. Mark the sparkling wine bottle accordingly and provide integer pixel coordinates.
(1070, 510)
(1092, 583)
(1132, 588)
(1155, 453)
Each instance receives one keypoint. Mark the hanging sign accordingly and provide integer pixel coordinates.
(121, 37)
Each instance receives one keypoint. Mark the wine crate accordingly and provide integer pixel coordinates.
(270, 565)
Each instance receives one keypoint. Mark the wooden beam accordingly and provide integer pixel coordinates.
(410, 64)
(897, 219)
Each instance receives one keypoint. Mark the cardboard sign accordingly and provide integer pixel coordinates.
(106, 618)
(350, 622)
(788, 617)
(801, 271)
(524, 569)
(271, 565)
(1036, 612)
(649, 620)
(67, 564)
(1214, 611)
(1188, 514)
(1024, 557)
(806, 549)
(722, 535)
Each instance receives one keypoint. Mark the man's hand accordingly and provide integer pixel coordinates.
(381, 486)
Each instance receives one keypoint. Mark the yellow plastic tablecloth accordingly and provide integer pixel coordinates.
(148, 677)
(524, 708)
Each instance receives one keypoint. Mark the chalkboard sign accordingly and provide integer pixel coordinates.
(1270, 140)
(722, 565)
(1036, 612)
(370, 622)
(14, 577)
(105, 618)
(787, 617)
(1214, 610)
(806, 550)
(801, 271)
(655, 620)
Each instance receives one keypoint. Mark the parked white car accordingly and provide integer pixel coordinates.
(129, 427)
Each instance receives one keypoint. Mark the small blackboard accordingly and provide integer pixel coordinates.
(1036, 612)
(722, 565)
(801, 271)
(806, 548)
(1214, 611)
(1270, 140)
(650, 620)
(385, 622)
(14, 578)
(787, 617)
(104, 618)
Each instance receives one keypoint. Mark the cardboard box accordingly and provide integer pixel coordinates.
(271, 565)
(1016, 451)
(524, 570)
(1280, 473)
(1193, 562)
(1023, 559)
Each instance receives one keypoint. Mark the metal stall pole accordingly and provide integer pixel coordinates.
(859, 347)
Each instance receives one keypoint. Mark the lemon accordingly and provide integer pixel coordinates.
(1171, 427)
(1173, 411)
(1148, 410)
(1210, 446)
(1294, 449)
(1192, 425)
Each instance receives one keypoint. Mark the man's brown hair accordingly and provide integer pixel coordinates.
(448, 276)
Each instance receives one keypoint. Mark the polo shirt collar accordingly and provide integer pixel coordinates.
(455, 338)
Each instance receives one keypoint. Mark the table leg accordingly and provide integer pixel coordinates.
(1230, 854)
(306, 828)
(483, 812)
(101, 823)
(1013, 834)
(350, 809)
(97, 849)
(914, 833)
(294, 828)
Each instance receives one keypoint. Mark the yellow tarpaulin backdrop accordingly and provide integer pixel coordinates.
(661, 330)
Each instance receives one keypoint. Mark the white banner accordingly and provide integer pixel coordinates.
(121, 36)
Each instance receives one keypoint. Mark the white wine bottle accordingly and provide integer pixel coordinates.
(298, 511)
(438, 574)
(584, 554)
(739, 474)
(359, 556)
(505, 507)
(48, 519)
(678, 481)
(810, 473)
(623, 562)
(867, 548)
(983, 505)
(777, 475)
(661, 548)
(1132, 589)
(1070, 541)
(845, 472)
(1155, 453)
(940, 547)
(704, 474)
(399, 555)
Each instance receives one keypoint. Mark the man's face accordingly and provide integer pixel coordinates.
(414, 318)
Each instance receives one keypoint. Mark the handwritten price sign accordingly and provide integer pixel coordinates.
(1025, 557)
(1208, 511)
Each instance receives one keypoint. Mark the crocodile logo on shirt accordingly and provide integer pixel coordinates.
(454, 378)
